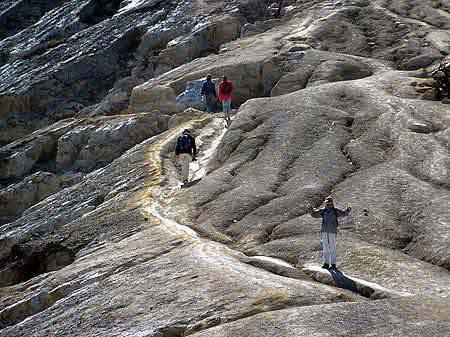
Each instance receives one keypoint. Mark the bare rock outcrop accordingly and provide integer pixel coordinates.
(100, 140)
(332, 97)
(91, 49)
(17, 198)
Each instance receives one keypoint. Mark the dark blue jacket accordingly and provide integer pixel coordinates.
(329, 217)
(192, 149)
(208, 89)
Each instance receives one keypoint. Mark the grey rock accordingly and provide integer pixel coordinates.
(97, 142)
(161, 98)
(421, 61)
(405, 316)
(335, 71)
(101, 206)
(191, 97)
(94, 45)
(21, 157)
(235, 253)
(18, 197)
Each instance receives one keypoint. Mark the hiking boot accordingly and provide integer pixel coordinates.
(326, 266)
(333, 267)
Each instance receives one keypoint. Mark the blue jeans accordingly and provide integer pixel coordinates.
(226, 104)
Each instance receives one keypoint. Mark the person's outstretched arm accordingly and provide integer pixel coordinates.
(340, 212)
(317, 213)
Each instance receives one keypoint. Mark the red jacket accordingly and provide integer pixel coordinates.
(224, 96)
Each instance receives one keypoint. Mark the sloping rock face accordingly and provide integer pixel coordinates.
(66, 55)
(333, 97)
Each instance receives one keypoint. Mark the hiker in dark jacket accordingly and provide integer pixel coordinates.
(280, 8)
(328, 230)
(209, 92)
(185, 151)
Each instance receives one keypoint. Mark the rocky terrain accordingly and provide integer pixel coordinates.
(333, 97)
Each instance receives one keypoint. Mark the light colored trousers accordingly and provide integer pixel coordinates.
(329, 247)
(226, 104)
(184, 159)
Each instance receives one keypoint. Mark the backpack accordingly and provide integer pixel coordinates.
(227, 88)
(184, 144)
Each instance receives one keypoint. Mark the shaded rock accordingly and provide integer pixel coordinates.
(15, 121)
(299, 47)
(421, 61)
(293, 81)
(18, 197)
(97, 142)
(341, 280)
(91, 48)
(117, 99)
(161, 98)
(19, 158)
(52, 52)
(335, 71)
(18, 15)
(205, 37)
(422, 127)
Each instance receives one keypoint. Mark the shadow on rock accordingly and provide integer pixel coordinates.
(343, 281)
(191, 183)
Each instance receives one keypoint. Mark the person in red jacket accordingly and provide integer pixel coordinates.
(225, 90)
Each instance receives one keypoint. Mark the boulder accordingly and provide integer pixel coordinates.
(18, 197)
(15, 121)
(159, 97)
(19, 159)
(191, 97)
(22, 156)
(335, 71)
(293, 81)
(421, 61)
(206, 37)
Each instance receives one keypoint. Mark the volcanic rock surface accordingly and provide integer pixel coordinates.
(332, 97)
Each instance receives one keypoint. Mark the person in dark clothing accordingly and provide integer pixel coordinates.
(210, 94)
(328, 230)
(280, 8)
(185, 151)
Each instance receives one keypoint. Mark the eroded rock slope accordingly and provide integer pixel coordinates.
(333, 97)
